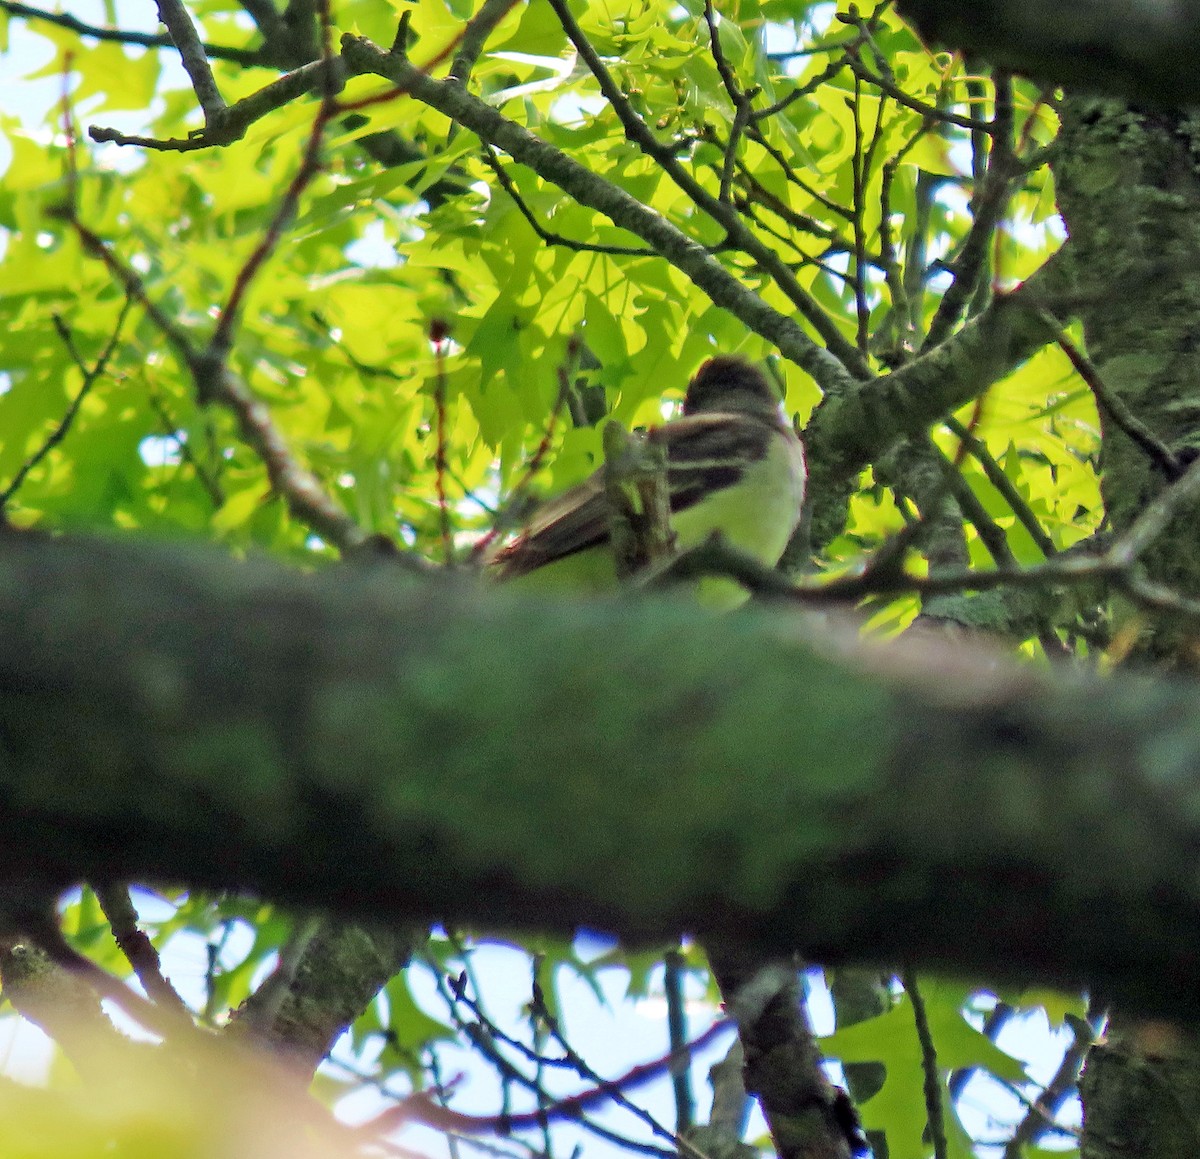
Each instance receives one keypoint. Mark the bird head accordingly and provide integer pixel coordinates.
(725, 384)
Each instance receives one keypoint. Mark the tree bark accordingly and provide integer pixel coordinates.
(433, 751)
(1137, 48)
(1129, 192)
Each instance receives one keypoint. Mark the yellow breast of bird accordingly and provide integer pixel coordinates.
(759, 513)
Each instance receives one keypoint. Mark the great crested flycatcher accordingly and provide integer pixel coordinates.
(734, 465)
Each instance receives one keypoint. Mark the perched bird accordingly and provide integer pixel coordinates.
(734, 465)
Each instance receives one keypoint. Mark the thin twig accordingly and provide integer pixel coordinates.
(897, 94)
(1113, 405)
(862, 309)
(998, 479)
(438, 334)
(935, 1110)
(992, 535)
(990, 200)
(484, 1035)
(475, 36)
(222, 337)
(618, 1088)
(905, 325)
(171, 430)
(1041, 1112)
(443, 1093)
(242, 56)
(810, 86)
(129, 281)
(742, 101)
(758, 194)
(721, 212)
(1153, 520)
(793, 178)
(673, 986)
(138, 949)
(541, 451)
(548, 236)
(301, 490)
(90, 378)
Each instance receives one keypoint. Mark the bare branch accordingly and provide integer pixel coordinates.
(998, 479)
(549, 237)
(139, 951)
(930, 112)
(237, 118)
(1111, 404)
(191, 51)
(242, 56)
(475, 36)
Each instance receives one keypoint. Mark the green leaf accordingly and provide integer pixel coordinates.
(891, 1039)
(409, 1027)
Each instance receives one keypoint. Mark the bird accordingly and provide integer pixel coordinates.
(735, 466)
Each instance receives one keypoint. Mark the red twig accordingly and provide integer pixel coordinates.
(972, 427)
(310, 166)
(69, 133)
(541, 451)
(439, 332)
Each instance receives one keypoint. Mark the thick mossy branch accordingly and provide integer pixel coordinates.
(417, 751)
(855, 426)
(1128, 186)
(335, 978)
(1142, 50)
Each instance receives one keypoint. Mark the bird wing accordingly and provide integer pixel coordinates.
(705, 453)
(711, 451)
(571, 522)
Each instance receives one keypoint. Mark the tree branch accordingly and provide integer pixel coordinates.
(233, 122)
(191, 51)
(809, 1118)
(212, 712)
(1138, 48)
(852, 427)
(242, 56)
(334, 973)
